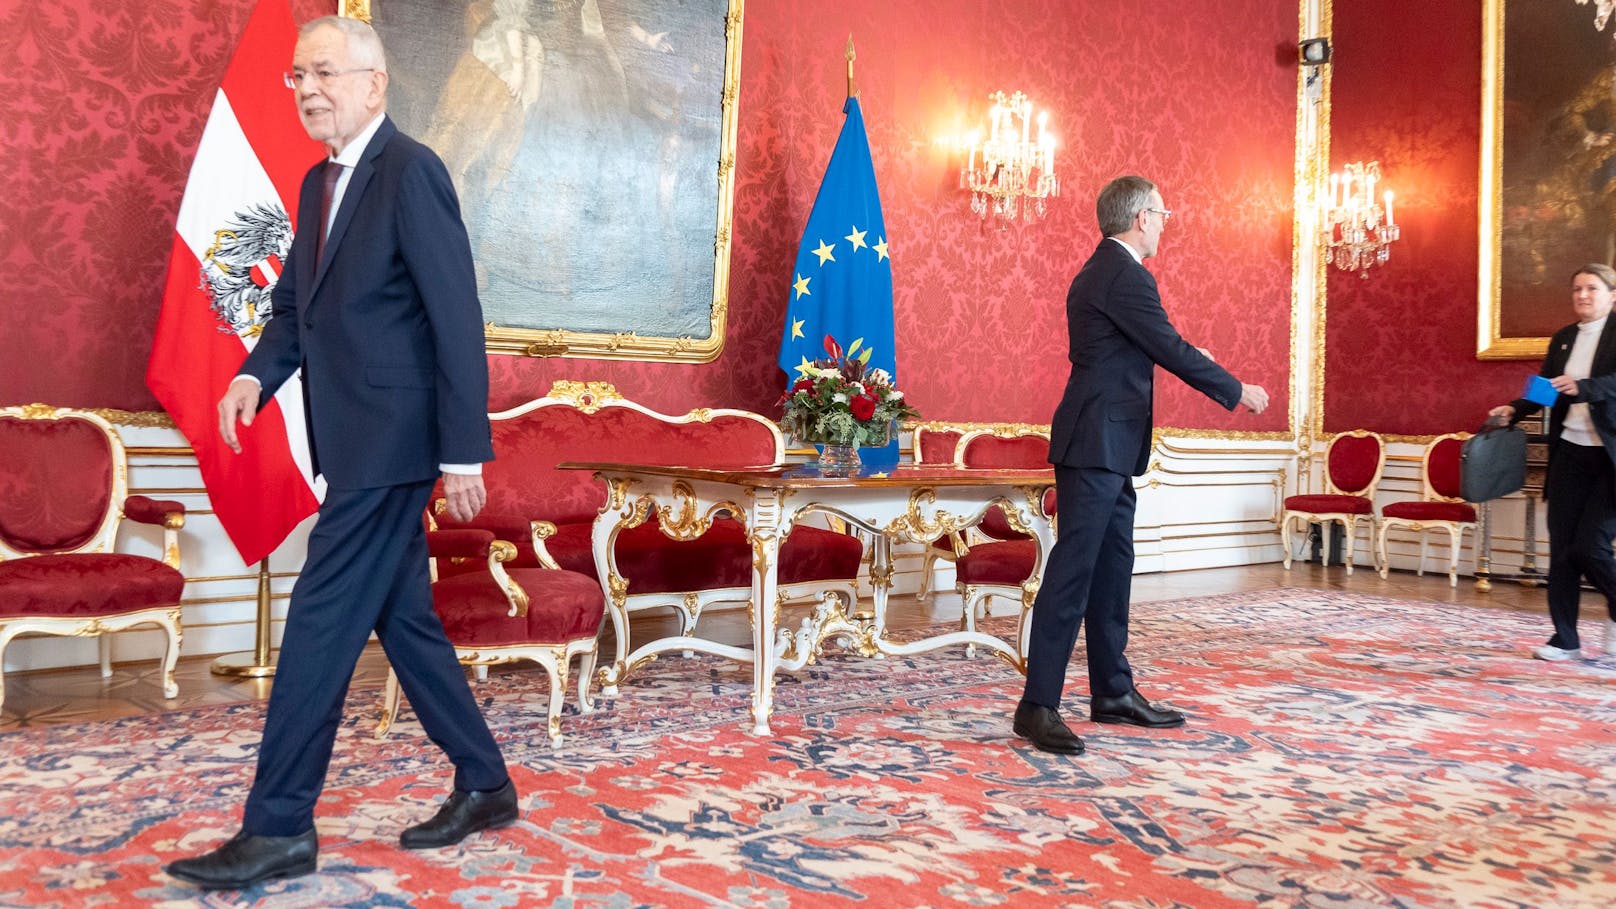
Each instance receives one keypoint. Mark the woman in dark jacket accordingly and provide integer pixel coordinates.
(1581, 483)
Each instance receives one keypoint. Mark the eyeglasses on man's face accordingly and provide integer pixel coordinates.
(1166, 213)
(295, 78)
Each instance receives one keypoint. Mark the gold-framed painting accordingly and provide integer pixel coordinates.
(1548, 165)
(593, 145)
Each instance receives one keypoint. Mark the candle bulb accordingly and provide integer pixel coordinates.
(1388, 208)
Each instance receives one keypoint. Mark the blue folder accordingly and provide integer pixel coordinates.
(1539, 391)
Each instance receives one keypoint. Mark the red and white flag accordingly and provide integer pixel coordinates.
(234, 230)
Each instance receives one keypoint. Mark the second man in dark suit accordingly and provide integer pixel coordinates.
(1099, 440)
(378, 308)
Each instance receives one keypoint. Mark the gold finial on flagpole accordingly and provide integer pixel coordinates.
(850, 55)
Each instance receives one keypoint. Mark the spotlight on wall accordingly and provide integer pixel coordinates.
(1313, 51)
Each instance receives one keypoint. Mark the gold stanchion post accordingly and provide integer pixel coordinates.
(258, 664)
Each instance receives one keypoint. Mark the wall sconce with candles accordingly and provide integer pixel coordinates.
(1011, 173)
(1358, 229)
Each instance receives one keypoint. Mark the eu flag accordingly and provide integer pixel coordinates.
(842, 283)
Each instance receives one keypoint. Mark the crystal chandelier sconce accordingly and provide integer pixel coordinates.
(1012, 172)
(1358, 226)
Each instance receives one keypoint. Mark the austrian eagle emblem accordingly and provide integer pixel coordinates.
(240, 269)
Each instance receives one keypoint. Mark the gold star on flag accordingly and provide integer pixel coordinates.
(857, 238)
(824, 253)
(801, 286)
(796, 329)
(804, 368)
(880, 249)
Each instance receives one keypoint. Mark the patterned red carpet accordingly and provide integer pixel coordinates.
(1343, 751)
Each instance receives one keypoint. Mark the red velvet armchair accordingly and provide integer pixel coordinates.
(1005, 562)
(1440, 507)
(494, 616)
(63, 491)
(1352, 467)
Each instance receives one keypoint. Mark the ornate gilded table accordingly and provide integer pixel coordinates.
(907, 503)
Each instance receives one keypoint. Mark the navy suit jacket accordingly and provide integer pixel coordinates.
(1118, 334)
(387, 327)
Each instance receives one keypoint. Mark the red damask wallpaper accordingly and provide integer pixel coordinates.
(104, 103)
(1400, 345)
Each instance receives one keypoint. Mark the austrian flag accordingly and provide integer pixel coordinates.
(234, 227)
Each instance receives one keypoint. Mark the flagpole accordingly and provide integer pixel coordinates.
(255, 665)
(850, 55)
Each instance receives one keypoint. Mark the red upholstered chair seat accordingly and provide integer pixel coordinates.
(1006, 563)
(92, 584)
(1330, 504)
(1431, 511)
(566, 606)
(721, 557)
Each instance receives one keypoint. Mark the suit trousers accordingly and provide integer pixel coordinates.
(1088, 576)
(1581, 489)
(366, 569)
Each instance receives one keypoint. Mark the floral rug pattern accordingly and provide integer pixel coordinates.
(1342, 751)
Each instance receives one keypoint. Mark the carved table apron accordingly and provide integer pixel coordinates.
(905, 504)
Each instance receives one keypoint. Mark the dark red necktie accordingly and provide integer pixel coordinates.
(328, 189)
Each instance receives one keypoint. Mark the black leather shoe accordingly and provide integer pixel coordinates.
(1046, 730)
(462, 814)
(248, 860)
(1134, 710)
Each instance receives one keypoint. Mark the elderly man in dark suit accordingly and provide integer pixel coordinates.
(378, 307)
(1099, 441)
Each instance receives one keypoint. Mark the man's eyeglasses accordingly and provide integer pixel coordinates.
(294, 78)
(1166, 213)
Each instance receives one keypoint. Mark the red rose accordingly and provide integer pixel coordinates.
(863, 407)
(803, 385)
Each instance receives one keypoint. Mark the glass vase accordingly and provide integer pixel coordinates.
(839, 459)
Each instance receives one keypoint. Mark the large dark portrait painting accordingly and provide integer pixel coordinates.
(592, 143)
(1548, 184)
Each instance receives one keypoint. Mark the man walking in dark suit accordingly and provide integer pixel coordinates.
(1099, 441)
(378, 307)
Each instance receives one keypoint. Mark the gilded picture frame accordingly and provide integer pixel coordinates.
(1547, 190)
(618, 243)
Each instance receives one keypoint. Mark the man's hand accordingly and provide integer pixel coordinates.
(1501, 415)
(1253, 397)
(1564, 385)
(240, 402)
(466, 495)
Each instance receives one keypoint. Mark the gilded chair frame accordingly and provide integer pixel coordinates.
(1347, 520)
(1428, 493)
(104, 540)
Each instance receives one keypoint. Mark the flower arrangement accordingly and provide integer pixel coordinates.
(840, 400)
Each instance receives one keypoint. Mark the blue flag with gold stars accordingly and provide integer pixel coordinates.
(842, 283)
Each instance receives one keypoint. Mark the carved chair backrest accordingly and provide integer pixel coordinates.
(934, 442)
(63, 479)
(1439, 469)
(1354, 461)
